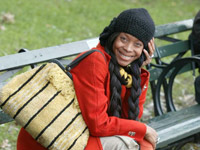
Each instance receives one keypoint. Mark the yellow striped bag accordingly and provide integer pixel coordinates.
(43, 101)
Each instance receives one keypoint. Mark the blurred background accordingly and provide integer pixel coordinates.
(42, 23)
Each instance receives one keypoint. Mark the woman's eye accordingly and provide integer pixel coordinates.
(123, 38)
(138, 44)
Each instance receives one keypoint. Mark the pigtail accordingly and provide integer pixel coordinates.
(133, 99)
(115, 105)
(115, 88)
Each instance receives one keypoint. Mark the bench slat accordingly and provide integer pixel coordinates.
(177, 125)
(43, 54)
(174, 48)
(4, 118)
(172, 28)
(6, 75)
(155, 72)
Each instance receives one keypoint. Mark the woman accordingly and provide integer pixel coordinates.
(112, 91)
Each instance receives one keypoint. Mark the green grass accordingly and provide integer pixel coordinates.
(8, 136)
(43, 23)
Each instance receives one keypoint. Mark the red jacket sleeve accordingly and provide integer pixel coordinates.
(90, 79)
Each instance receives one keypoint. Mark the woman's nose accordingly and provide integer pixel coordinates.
(128, 48)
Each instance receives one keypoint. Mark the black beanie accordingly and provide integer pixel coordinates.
(136, 22)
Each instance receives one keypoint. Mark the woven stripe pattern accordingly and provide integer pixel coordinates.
(43, 101)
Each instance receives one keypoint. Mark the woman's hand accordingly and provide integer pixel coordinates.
(149, 54)
(151, 136)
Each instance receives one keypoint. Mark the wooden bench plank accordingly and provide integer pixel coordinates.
(4, 118)
(174, 126)
(155, 72)
(4, 76)
(44, 54)
(172, 28)
(171, 49)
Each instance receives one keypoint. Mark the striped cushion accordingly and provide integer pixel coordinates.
(43, 101)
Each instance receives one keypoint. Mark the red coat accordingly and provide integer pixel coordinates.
(91, 80)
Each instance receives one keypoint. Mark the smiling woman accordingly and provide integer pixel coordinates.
(112, 88)
(36, 27)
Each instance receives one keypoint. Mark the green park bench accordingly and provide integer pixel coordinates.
(172, 57)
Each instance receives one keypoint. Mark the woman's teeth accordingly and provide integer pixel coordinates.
(127, 57)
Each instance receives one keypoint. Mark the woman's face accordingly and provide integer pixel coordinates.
(127, 48)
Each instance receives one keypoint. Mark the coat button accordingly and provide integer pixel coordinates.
(131, 133)
(145, 86)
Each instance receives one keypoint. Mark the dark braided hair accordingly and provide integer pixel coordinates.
(116, 82)
(133, 99)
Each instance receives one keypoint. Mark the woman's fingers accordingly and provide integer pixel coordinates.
(151, 136)
(151, 47)
(148, 58)
(149, 55)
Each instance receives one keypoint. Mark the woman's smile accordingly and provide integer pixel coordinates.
(123, 56)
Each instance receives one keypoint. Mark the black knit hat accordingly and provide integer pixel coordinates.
(136, 22)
